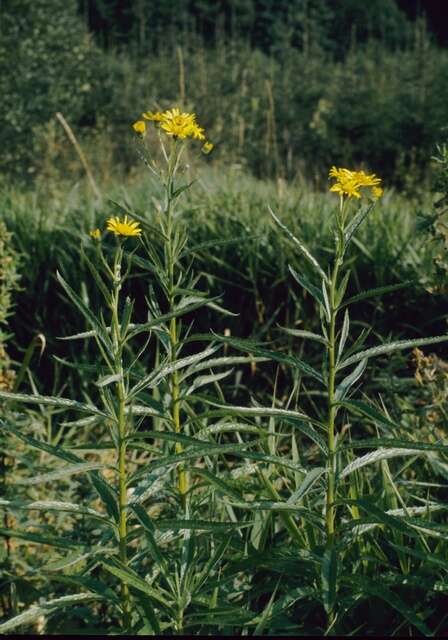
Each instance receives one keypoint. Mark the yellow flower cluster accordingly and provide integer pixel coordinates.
(348, 183)
(176, 124)
(124, 227)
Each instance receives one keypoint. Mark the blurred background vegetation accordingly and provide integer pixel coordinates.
(284, 87)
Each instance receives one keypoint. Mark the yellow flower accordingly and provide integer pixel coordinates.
(123, 227)
(139, 127)
(179, 125)
(197, 132)
(154, 117)
(348, 183)
(377, 192)
(95, 234)
(176, 123)
(207, 147)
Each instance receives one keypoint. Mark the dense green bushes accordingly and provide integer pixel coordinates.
(289, 109)
(49, 62)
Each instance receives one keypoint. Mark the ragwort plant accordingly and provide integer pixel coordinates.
(332, 512)
(167, 579)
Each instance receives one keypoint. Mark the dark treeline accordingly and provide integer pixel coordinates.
(267, 24)
(284, 87)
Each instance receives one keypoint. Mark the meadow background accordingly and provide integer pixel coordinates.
(285, 89)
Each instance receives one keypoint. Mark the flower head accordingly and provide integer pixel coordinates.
(123, 227)
(348, 183)
(139, 127)
(177, 124)
(207, 147)
(377, 192)
(155, 116)
(95, 234)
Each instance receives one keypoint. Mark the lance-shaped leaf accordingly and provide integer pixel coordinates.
(223, 361)
(376, 589)
(375, 456)
(54, 401)
(127, 575)
(98, 329)
(355, 223)
(373, 293)
(329, 578)
(344, 387)
(306, 485)
(362, 408)
(304, 282)
(52, 505)
(63, 472)
(253, 347)
(394, 443)
(303, 250)
(306, 335)
(390, 348)
(155, 377)
(45, 609)
(36, 538)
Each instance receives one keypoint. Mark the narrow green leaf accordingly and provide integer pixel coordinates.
(51, 541)
(344, 387)
(51, 505)
(390, 348)
(394, 443)
(360, 407)
(425, 557)
(31, 615)
(220, 362)
(64, 403)
(58, 451)
(306, 485)
(304, 282)
(105, 380)
(311, 259)
(125, 574)
(299, 333)
(252, 347)
(341, 289)
(153, 379)
(197, 525)
(380, 516)
(378, 291)
(199, 452)
(98, 279)
(375, 588)
(375, 456)
(222, 486)
(355, 223)
(63, 472)
(98, 329)
(329, 577)
(107, 495)
(344, 335)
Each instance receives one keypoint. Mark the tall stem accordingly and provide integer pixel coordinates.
(331, 408)
(330, 509)
(122, 433)
(170, 260)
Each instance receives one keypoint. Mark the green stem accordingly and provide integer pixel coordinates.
(122, 433)
(334, 305)
(170, 264)
(330, 512)
(330, 516)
